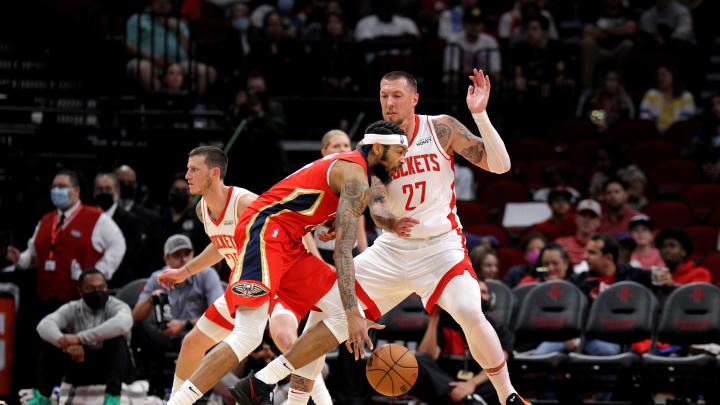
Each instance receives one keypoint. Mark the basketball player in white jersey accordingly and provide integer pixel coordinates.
(421, 249)
(218, 210)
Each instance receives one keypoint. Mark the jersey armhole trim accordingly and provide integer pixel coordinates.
(222, 214)
(434, 137)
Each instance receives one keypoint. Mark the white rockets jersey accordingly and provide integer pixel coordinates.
(222, 230)
(424, 188)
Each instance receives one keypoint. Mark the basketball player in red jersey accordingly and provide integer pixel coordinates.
(219, 210)
(430, 258)
(272, 260)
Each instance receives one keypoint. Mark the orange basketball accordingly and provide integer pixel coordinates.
(392, 369)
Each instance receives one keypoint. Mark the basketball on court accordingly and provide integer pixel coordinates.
(392, 369)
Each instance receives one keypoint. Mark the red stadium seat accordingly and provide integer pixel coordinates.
(669, 214)
(583, 153)
(489, 230)
(496, 194)
(531, 150)
(508, 257)
(533, 174)
(712, 263)
(632, 131)
(571, 131)
(472, 213)
(681, 133)
(714, 218)
(647, 153)
(702, 198)
(704, 237)
(483, 176)
(674, 174)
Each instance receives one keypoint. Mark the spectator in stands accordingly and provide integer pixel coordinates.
(155, 38)
(275, 53)
(485, 262)
(86, 342)
(636, 182)
(465, 187)
(676, 249)
(609, 159)
(588, 219)
(709, 135)
(451, 22)
(180, 217)
(174, 79)
(106, 195)
(470, 49)
(709, 161)
(669, 102)
(340, 60)
(608, 39)
(616, 220)
(667, 21)
(513, 23)
(553, 264)
(268, 108)
(645, 255)
(443, 361)
(181, 307)
(626, 246)
(67, 240)
(385, 24)
(562, 221)
(553, 177)
(239, 14)
(607, 104)
(533, 243)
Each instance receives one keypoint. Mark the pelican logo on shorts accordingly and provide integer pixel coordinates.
(248, 290)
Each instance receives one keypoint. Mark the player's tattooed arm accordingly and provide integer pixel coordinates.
(301, 383)
(378, 210)
(198, 211)
(354, 195)
(455, 137)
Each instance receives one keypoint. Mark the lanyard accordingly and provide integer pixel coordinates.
(55, 231)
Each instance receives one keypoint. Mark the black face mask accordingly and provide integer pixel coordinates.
(96, 299)
(179, 200)
(128, 190)
(104, 201)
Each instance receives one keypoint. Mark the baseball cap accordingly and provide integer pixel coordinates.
(473, 15)
(559, 192)
(641, 220)
(590, 205)
(177, 242)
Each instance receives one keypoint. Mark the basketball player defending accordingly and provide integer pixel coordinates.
(430, 258)
(271, 260)
(218, 210)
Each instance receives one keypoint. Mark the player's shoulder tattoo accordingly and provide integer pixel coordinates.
(442, 130)
(198, 210)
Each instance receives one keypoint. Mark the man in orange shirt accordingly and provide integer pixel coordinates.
(587, 220)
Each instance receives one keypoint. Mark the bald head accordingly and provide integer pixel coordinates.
(126, 174)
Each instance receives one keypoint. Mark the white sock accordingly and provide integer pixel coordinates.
(187, 394)
(275, 371)
(177, 382)
(320, 394)
(296, 397)
(500, 379)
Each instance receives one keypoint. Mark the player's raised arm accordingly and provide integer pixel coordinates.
(382, 215)
(488, 152)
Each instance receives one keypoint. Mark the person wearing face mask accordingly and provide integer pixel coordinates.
(82, 338)
(180, 216)
(67, 240)
(446, 371)
(533, 243)
(106, 195)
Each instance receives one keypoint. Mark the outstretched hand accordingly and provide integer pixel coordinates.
(358, 327)
(478, 93)
(170, 277)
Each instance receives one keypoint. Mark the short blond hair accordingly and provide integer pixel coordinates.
(329, 135)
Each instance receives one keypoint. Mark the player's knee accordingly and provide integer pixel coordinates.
(196, 340)
(468, 314)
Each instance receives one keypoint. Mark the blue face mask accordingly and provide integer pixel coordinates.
(60, 197)
(241, 23)
(285, 5)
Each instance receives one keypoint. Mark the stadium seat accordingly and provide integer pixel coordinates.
(691, 315)
(496, 194)
(534, 172)
(472, 213)
(682, 132)
(406, 322)
(702, 198)
(646, 153)
(504, 304)
(489, 230)
(130, 292)
(714, 218)
(572, 131)
(704, 237)
(669, 214)
(521, 291)
(582, 153)
(632, 131)
(508, 257)
(531, 150)
(674, 175)
(712, 263)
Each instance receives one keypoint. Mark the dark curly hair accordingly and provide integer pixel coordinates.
(381, 127)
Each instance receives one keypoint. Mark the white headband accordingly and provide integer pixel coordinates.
(385, 139)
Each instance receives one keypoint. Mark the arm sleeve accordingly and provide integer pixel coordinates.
(108, 238)
(51, 326)
(28, 257)
(498, 158)
(119, 322)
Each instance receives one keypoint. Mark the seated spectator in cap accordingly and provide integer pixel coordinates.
(616, 220)
(472, 48)
(485, 262)
(587, 220)
(562, 221)
(552, 264)
(532, 245)
(85, 336)
(553, 177)
(645, 255)
(676, 248)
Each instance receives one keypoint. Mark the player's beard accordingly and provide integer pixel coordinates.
(380, 171)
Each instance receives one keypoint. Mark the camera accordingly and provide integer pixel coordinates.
(162, 310)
